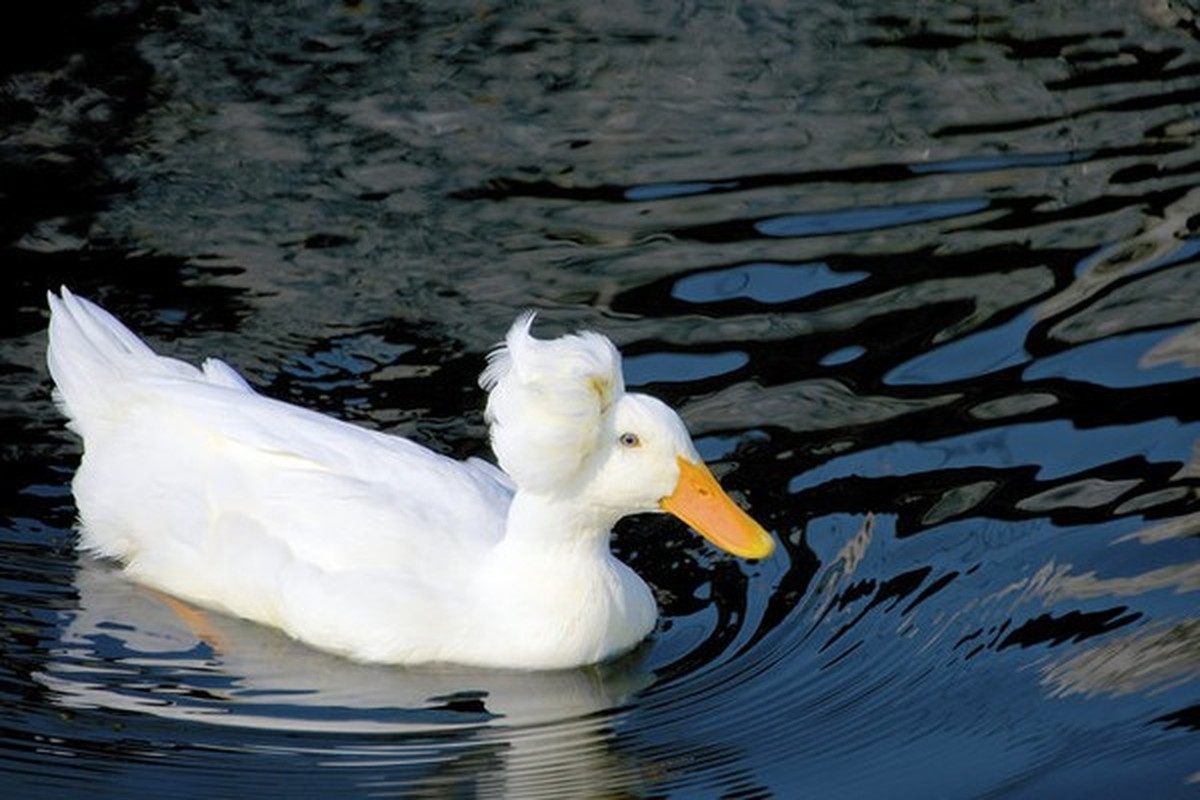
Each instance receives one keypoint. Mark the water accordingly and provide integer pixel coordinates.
(922, 279)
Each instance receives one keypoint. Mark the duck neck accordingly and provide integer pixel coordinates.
(553, 590)
(557, 526)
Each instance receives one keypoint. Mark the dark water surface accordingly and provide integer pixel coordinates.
(923, 278)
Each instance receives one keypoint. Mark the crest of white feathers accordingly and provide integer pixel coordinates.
(547, 402)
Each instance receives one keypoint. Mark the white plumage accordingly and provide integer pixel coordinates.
(547, 401)
(369, 545)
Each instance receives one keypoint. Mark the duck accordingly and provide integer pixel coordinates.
(366, 544)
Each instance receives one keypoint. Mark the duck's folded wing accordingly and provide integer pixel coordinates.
(190, 457)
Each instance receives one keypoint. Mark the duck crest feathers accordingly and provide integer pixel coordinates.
(548, 401)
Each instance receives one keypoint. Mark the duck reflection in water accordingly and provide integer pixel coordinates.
(127, 648)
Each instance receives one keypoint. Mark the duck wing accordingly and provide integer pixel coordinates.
(190, 469)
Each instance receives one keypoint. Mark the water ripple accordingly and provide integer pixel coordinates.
(921, 285)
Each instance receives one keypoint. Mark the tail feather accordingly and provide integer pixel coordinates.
(92, 356)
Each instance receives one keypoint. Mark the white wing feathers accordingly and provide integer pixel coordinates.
(202, 444)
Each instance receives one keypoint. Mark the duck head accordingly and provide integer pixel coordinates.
(563, 424)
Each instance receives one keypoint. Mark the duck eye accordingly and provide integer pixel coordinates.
(629, 439)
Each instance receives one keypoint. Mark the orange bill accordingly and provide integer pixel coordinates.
(700, 501)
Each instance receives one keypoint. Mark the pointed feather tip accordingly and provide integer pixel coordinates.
(55, 301)
(65, 295)
(499, 359)
(66, 303)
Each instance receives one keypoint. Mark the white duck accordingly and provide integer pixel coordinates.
(369, 545)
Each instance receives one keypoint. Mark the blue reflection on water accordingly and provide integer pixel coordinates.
(680, 367)
(843, 355)
(763, 282)
(662, 191)
(1000, 162)
(1074, 450)
(978, 354)
(1118, 362)
(848, 220)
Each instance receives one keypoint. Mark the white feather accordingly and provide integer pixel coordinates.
(547, 403)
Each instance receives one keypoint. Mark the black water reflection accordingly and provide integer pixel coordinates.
(923, 282)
